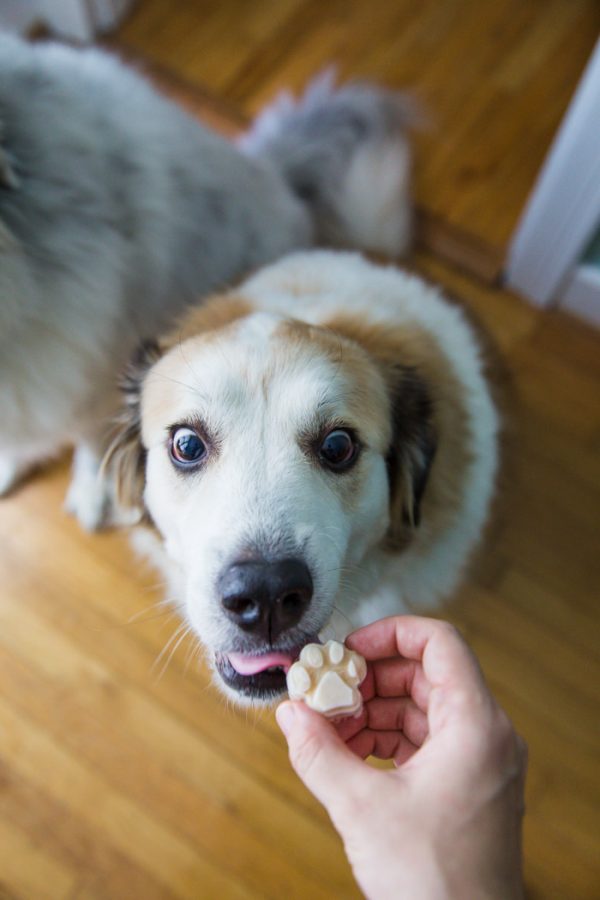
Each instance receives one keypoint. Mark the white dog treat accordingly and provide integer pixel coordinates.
(327, 677)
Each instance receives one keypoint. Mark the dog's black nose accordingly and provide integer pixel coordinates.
(266, 597)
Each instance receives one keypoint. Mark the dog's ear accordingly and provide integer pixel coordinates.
(412, 449)
(126, 455)
(414, 437)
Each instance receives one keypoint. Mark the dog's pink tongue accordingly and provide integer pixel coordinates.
(244, 664)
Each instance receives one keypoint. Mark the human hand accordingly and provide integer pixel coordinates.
(446, 822)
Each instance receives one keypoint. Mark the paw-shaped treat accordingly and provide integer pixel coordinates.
(326, 677)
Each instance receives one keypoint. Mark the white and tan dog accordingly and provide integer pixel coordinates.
(321, 440)
(118, 211)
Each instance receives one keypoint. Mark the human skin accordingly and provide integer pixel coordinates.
(446, 821)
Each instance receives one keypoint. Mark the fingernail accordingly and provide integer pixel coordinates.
(285, 715)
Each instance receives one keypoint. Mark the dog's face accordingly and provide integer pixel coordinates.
(266, 450)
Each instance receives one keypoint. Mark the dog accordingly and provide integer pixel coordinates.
(312, 450)
(118, 210)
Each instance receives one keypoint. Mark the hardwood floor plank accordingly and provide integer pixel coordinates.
(99, 866)
(117, 783)
(27, 870)
(76, 674)
(103, 627)
(38, 755)
(234, 807)
(563, 615)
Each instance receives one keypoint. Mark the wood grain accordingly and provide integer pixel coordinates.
(120, 780)
(125, 778)
(493, 79)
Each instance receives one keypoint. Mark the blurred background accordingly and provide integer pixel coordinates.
(122, 772)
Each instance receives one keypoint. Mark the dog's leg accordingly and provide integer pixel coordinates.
(87, 498)
(91, 497)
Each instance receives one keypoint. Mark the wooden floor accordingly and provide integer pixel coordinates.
(123, 777)
(123, 774)
(493, 77)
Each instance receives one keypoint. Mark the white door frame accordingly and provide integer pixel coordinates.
(563, 210)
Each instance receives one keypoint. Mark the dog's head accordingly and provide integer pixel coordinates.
(273, 457)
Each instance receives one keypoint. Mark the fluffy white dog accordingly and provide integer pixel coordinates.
(321, 440)
(117, 210)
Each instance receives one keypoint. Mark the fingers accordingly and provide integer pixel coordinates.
(351, 725)
(398, 714)
(316, 752)
(444, 656)
(395, 636)
(384, 726)
(428, 660)
(401, 678)
(383, 745)
(387, 714)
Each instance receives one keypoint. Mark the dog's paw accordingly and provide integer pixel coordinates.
(327, 677)
(91, 496)
(88, 500)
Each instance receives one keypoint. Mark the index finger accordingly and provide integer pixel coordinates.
(437, 646)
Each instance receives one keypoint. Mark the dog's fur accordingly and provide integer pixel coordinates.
(117, 210)
(318, 341)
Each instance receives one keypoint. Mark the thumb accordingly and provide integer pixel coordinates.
(321, 758)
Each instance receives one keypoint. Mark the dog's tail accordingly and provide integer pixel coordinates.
(345, 153)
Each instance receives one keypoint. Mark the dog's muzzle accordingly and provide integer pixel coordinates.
(266, 598)
(266, 601)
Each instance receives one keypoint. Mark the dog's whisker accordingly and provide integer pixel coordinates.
(163, 605)
(330, 538)
(180, 627)
(155, 586)
(174, 650)
(144, 616)
(193, 653)
(342, 614)
(184, 384)
(188, 658)
(187, 363)
(170, 647)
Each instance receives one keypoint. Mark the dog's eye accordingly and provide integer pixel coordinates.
(338, 450)
(187, 447)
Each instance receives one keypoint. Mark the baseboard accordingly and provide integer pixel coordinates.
(462, 250)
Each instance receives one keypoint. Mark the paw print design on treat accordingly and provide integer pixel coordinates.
(327, 677)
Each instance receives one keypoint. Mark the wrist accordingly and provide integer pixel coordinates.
(400, 866)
